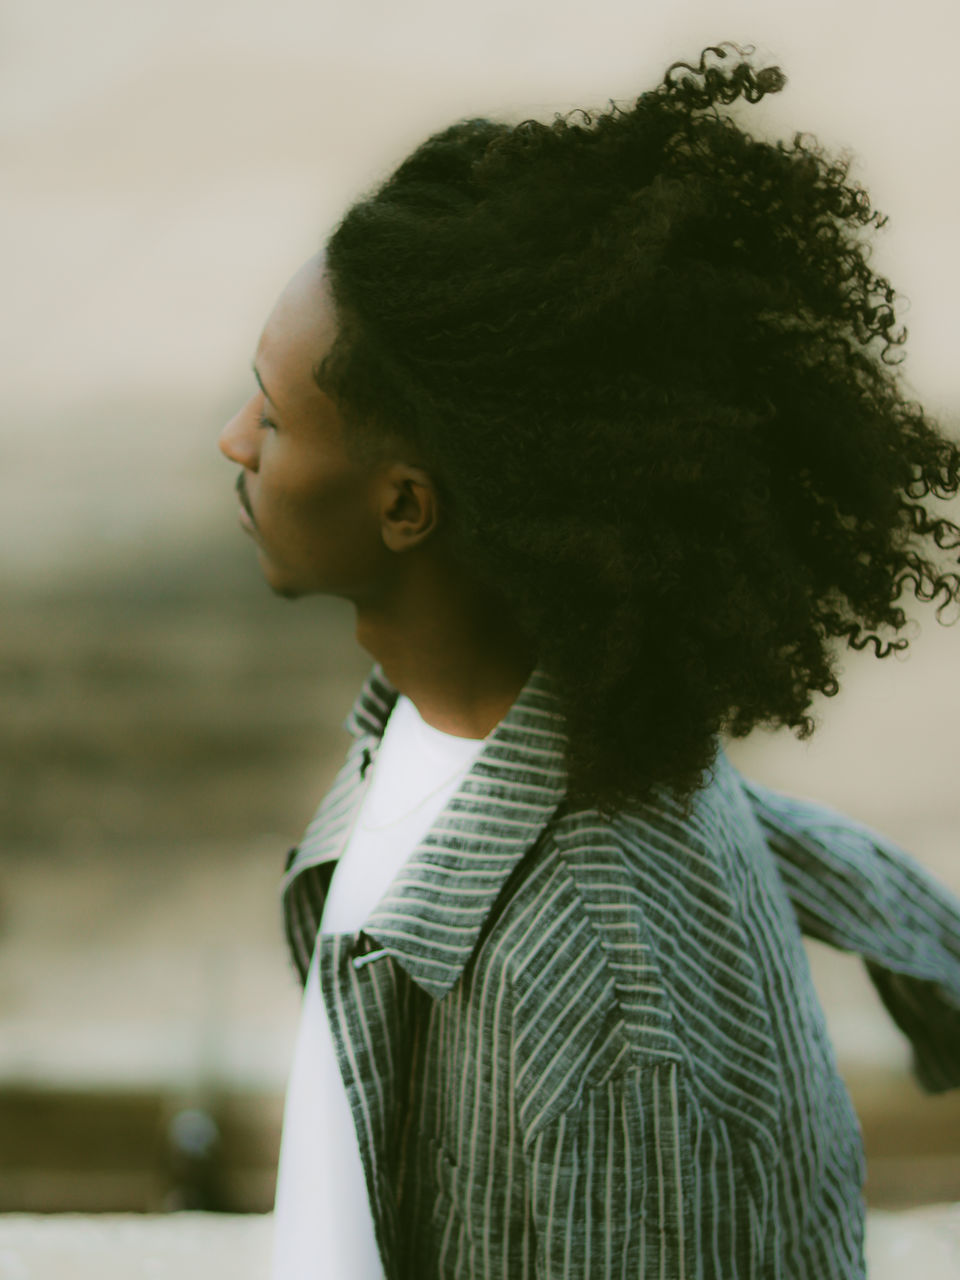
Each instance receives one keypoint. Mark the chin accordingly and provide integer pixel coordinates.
(284, 589)
(278, 582)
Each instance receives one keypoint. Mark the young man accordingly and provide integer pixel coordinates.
(558, 1019)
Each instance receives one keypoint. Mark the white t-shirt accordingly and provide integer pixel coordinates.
(323, 1227)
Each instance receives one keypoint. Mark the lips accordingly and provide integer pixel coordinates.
(244, 500)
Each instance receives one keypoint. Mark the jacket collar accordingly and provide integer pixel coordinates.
(431, 916)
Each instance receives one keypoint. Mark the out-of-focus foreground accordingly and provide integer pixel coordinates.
(196, 1246)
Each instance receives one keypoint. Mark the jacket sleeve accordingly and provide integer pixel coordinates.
(857, 891)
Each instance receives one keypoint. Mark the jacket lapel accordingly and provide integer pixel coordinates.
(433, 912)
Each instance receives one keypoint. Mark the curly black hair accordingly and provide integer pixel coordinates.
(655, 380)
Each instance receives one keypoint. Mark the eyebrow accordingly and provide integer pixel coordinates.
(256, 374)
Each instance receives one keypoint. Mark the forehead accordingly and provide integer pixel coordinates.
(298, 332)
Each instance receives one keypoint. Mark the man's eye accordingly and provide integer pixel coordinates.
(265, 422)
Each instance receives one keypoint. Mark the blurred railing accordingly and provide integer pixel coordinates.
(156, 1152)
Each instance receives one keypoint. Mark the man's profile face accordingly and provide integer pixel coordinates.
(311, 510)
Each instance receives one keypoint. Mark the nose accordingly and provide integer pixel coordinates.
(239, 441)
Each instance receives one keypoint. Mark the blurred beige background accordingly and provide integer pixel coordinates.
(168, 164)
(168, 726)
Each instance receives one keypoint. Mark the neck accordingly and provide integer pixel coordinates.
(451, 646)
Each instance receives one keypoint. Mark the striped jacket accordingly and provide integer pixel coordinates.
(585, 1048)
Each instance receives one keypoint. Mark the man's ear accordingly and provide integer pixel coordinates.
(410, 510)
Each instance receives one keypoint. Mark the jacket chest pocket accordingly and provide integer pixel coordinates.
(479, 1218)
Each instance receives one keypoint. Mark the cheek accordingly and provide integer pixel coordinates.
(327, 503)
(321, 516)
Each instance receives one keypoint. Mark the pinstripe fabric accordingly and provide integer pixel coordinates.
(585, 1048)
